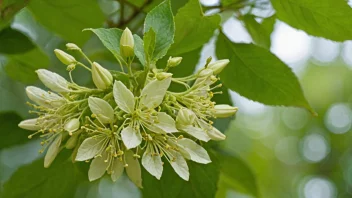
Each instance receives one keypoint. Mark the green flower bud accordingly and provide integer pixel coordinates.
(72, 125)
(163, 75)
(185, 117)
(64, 57)
(223, 111)
(30, 124)
(218, 66)
(102, 78)
(72, 46)
(174, 61)
(53, 81)
(127, 43)
(72, 141)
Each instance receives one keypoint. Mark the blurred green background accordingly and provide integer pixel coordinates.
(290, 152)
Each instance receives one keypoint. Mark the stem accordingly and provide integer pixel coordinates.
(85, 56)
(84, 66)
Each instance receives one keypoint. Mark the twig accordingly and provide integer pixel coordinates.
(122, 23)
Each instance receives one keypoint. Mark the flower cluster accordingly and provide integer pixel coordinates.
(121, 121)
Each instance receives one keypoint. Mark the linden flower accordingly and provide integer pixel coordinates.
(137, 121)
(174, 150)
(141, 112)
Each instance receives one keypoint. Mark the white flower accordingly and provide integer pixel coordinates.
(102, 78)
(143, 115)
(218, 66)
(212, 132)
(224, 110)
(192, 128)
(30, 124)
(64, 57)
(53, 81)
(44, 98)
(127, 43)
(102, 109)
(193, 151)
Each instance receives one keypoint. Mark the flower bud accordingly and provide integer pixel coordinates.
(102, 78)
(223, 111)
(185, 117)
(174, 61)
(163, 75)
(205, 73)
(64, 57)
(72, 141)
(72, 125)
(218, 66)
(127, 43)
(30, 124)
(215, 134)
(44, 98)
(53, 80)
(72, 46)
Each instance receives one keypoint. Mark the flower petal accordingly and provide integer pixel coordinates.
(53, 81)
(133, 169)
(123, 97)
(117, 169)
(52, 152)
(98, 167)
(153, 93)
(131, 137)
(166, 123)
(196, 152)
(44, 98)
(153, 164)
(198, 133)
(90, 147)
(212, 132)
(30, 124)
(102, 109)
(180, 166)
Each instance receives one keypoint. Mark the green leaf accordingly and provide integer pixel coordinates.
(110, 39)
(139, 48)
(120, 76)
(22, 67)
(260, 32)
(259, 75)
(149, 44)
(161, 20)
(236, 175)
(202, 182)
(12, 97)
(324, 18)
(68, 18)
(193, 29)
(14, 42)
(11, 134)
(35, 181)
